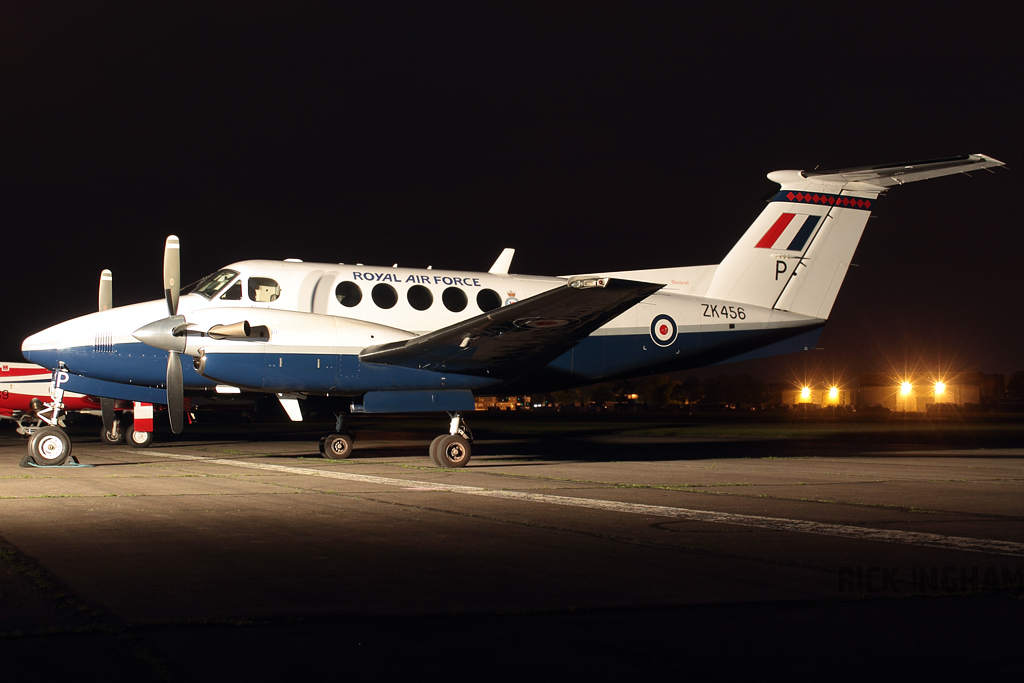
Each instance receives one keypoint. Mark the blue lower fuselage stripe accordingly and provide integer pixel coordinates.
(594, 359)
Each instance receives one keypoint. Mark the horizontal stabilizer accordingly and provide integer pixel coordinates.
(886, 175)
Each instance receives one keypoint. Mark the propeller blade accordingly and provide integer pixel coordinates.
(175, 393)
(172, 274)
(107, 407)
(106, 290)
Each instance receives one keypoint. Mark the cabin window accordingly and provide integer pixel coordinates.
(233, 293)
(488, 300)
(454, 299)
(349, 294)
(211, 284)
(384, 295)
(263, 289)
(420, 297)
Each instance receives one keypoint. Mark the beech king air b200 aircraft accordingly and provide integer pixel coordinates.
(373, 339)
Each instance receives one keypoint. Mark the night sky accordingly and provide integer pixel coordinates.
(589, 136)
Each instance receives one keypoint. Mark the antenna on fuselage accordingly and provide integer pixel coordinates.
(503, 263)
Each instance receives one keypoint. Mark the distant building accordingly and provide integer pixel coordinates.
(819, 396)
(916, 392)
(502, 402)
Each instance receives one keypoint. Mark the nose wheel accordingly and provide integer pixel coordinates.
(453, 450)
(49, 447)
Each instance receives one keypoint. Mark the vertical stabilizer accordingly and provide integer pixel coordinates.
(796, 253)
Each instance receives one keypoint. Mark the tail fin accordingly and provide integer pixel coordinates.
(795, 255)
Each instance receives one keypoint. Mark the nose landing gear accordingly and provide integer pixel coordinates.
(50, 446)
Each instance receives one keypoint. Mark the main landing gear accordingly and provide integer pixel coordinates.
(451, 450)
(454, 449)
(113, 436)
(338, 445)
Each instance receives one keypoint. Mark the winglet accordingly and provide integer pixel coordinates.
(501, 266)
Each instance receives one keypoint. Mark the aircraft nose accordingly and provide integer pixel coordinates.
(41, 348)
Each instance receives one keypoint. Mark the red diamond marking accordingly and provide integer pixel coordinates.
(790, 196)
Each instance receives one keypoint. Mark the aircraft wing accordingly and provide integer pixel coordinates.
(511, 340)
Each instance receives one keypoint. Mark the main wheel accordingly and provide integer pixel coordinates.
(336, 446)
(49, 446)
(115, 436)
(137, 439)
(453, 451)
(433, 450)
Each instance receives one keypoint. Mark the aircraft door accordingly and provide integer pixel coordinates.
(323, 292)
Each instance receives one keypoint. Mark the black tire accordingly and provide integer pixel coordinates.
(453, 451)
(49, 446)
(433, 451)
(138, 439)
(336, 446)
(106, 438)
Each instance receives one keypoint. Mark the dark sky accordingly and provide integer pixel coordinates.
(589, 136)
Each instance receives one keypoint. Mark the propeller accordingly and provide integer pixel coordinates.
(106, 290)
(172, 274)
(105, 304)
(171, 334)
(172, 290)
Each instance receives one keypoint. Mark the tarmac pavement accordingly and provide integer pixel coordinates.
(566, 554)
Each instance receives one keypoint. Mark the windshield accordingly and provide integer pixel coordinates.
(210, 285)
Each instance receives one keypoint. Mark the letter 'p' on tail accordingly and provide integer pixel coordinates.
(795, 255)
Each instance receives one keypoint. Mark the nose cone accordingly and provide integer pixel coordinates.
(93, 345)
(42, 348)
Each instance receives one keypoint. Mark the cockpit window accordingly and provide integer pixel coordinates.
(233, 293)
(263, 289)
(210, 285)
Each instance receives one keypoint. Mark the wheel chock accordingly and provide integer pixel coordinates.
(72, 461)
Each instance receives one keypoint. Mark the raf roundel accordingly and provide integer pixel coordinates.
(663, 330)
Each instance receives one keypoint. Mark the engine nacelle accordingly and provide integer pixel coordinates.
(299, 352)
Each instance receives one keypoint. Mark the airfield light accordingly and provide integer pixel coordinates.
(940, 388)
(833, 393)
(805, 393)
(906, 388)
